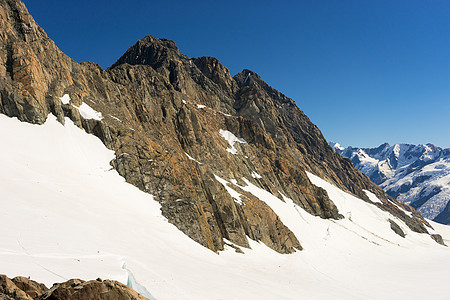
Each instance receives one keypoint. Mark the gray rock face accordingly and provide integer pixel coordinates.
(396, 228)
(162, 115)
(416, 175)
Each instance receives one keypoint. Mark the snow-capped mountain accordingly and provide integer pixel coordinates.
(418, 175)
(167, 174)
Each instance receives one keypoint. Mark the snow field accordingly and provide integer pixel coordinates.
(67, 214)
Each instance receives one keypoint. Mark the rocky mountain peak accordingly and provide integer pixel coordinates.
(250, 81)
(150, 51)
(231, 162)
(383, 146)
(177, 125)
(434, 147)
(248, 78)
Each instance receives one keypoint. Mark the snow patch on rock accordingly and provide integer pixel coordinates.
(65, 99)
(88, 112)
(231, 139)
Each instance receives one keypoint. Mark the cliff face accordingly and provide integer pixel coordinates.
(183, 130)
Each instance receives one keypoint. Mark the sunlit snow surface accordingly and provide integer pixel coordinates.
(65, 99)
(193, 159)
(88, 112)
(231, 139)
(85, 110)
(372, 197)
(66, 214)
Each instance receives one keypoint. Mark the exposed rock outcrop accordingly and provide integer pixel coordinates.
(21, 288)
(8, 290)
(162, 115)
(30, 287)
(396, 228)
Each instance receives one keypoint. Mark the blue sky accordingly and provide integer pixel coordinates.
(365, 72)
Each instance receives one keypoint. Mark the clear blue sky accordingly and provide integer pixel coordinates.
(365, 72)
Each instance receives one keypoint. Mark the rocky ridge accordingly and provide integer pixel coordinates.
(163, 114)
(418, 175)
(22, 288)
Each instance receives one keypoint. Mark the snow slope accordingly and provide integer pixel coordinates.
(67, 214)
(417, 175)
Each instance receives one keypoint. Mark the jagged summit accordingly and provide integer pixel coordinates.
(181, 105)
(247, 78)
(157, 108)
(150, 51)
(163, 55)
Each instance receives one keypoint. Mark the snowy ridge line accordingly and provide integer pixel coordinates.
(416, 175)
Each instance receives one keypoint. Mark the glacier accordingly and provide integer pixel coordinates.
(68, 214)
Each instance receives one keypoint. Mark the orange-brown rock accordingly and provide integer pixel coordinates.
(76, 289)
(149, 100)
(266, 226)
(22, 288)
(9, 291)
(30, 287)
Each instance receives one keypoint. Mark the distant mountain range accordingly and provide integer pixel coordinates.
(418, 175)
